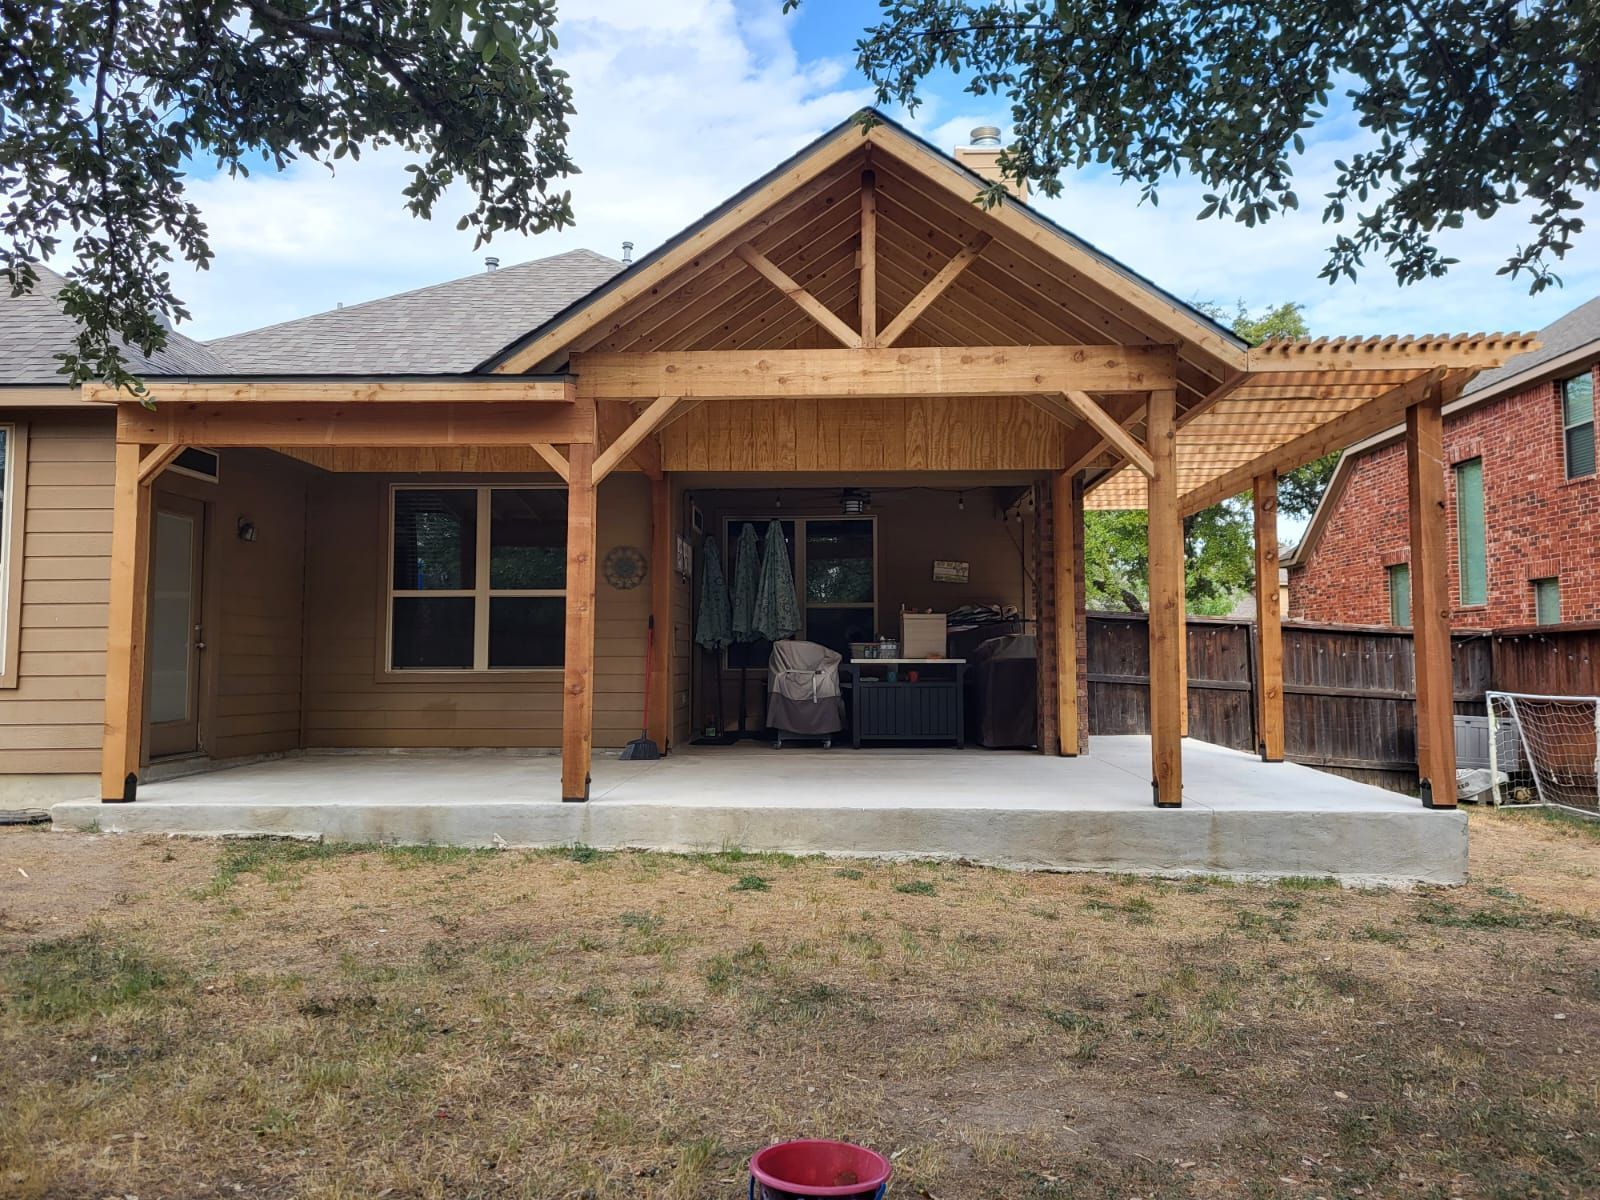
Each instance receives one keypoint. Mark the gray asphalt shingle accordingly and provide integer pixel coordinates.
(33, 330)
(1562, 336)
(448, 328)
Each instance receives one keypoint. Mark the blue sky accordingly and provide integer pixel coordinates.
(682, 102)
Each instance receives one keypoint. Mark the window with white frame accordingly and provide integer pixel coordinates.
(477, 578)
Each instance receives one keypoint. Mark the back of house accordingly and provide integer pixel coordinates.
(1522, 496)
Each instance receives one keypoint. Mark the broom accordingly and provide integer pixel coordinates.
(642, 747)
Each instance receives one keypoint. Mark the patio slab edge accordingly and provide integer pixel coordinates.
(1356, 847)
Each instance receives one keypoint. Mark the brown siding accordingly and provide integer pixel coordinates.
(348, 705)
(51, 721)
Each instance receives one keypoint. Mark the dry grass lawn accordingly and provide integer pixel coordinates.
(198, 1019)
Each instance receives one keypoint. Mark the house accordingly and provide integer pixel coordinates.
(1523, 502)
(449, 519)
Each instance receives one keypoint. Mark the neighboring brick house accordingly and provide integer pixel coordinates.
(1522, 495)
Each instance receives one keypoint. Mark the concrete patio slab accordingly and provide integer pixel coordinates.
(1240, 816)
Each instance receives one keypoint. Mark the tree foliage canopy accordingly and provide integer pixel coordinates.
(107, 105)
(1464, 106)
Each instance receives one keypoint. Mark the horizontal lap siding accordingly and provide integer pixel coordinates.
(348, 706)
(52, 721)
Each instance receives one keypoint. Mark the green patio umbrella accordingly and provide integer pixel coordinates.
(777, 614)
(713, 627)
(746, 574)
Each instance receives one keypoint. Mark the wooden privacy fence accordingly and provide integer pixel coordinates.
(1349, 691)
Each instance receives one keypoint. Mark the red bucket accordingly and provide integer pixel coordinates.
(799, 1170)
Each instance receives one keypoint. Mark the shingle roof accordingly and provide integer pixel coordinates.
(1558, 339)
(448, 328)
(33, 330)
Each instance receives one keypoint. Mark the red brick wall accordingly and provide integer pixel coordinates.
(1538, 522)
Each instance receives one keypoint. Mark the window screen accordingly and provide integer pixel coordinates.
(1472, 554)
(1400, 595)
(1577, 422)
(1547, 601)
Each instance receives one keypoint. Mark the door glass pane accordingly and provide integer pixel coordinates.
(1472, 553)
(527, 631)
(171, 616)
(836, 628)
(432, 631)
(527, 538)
(435, 539)
(839, 562)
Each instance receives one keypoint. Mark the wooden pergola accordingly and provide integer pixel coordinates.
(858, 284)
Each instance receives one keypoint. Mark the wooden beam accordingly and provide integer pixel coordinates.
(804, 300)
(612, 419)
(1269, 621)
(577, 688)
(121, 748)
(1480, 353)
(1166, 625)
(157, 461)
(1086, 446)
(896, 371)
(1054, 408)
(1022, 227)
(1067, 517)
(556, 459)
(1345, 430)
(1430, 601)
(662, 534)
(1111, 430)
(931, 291)
(868, 286)
(641, 428)
(757, 210)
(460, 389)
(681, 411)
(355, 425)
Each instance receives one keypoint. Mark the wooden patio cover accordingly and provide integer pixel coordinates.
(859, 281)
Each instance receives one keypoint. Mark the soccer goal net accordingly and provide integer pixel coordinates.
(1545, 750)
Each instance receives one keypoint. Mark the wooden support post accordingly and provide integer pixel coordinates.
(869, 259)
(1066, 512)
(1269, 621)
(121, 750)
(1183, 658)
(1167, 635)
(1430, 602)
(661, 566)
(577, 705)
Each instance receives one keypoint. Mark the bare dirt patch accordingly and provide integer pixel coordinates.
(275, 1019)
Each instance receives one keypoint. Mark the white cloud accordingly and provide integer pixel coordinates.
(680, 104)
(683, 102)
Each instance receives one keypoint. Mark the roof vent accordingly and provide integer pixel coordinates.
(986, 135)
(491, 263)
(627, 252)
